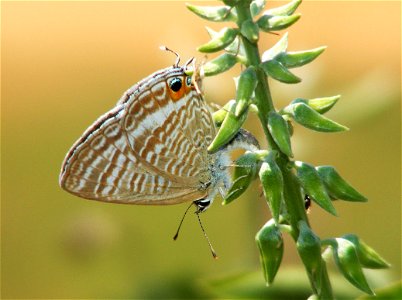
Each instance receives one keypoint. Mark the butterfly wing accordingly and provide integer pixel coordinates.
(170, 130)
(145, 163)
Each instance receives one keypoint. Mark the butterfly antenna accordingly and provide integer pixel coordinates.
(181, 222)
(176, 64)
(205, 234)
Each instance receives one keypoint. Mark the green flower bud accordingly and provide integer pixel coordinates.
(220, 64)
(272, 183)
(279, 130)
(244, 173)
(270, 243)
(337, 187)
(250, 31)
(309, 118)
(277, 71)
(347, 261)
(368, 257)
(285, 10)
(269, 23)
(320, 105)
(235, 48)
(256, 7)
(313, 186)
(276, 49)
(245, 88)
(213, 13)
(222, 39)
(309, 248)
(299, 58)
(229, 127)
(220, 114)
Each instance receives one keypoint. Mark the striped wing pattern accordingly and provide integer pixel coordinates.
(149, 149)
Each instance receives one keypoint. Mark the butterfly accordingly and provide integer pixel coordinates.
(151, 148)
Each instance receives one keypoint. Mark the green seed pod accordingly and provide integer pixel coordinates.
(250, 31)
(313, 186)
(229, 127)
(256, 7)
(220, 64)
(285, 10)
(221, 40)
(213, 13)
(235, 48)
(272, 183)
(337, 187)
(347, 261)
(309, 118)
(279, 130)
(309, 248)
(246, 85)
(320, 105)
(220, 114)
(299, 58)
(368, 257)
(246, 167)
(270, 243)
(269, 23)
(276, 49)
(276, 70)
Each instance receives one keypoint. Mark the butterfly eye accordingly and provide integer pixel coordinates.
(175, 84)
(188, 80)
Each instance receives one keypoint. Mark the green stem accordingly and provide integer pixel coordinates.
(292, 191)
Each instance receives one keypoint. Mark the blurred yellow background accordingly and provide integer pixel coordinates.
(63, 64)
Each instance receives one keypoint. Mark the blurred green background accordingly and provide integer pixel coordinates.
(63, 64)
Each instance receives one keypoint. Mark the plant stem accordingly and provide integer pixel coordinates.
(292, 191)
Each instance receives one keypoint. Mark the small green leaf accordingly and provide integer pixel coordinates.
(368, 257)
(309, 118)
(229, 127)
(219, 64)
(220, 114)
(272, 184)
(277, 71)
(313, 186)
(285, 10)
(213, 13)
(270, 243)
(221, 40)
(279, 130)
(245, 88)
(269, 23)
(256, 7)
(320, 105)
(244, 173)
(337, 187)
(250, 31)
(299, 58)
(276, 49)
(309, 248)
(347, 261)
